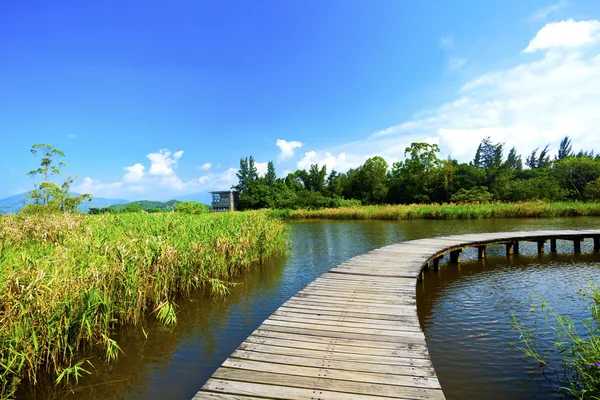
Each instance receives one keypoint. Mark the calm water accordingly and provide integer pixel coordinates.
(175, 362)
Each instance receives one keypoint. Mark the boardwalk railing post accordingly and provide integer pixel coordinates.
(577, 245)
(481, 252)
(515, 246)
(436, 262)
(597, 243)
(553, 245)
(455, 256)
(540, 246)
(509, 248)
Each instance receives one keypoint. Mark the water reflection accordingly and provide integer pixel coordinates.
(466, 313)
(175, 362)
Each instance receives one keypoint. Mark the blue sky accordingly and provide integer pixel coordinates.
(152, 100)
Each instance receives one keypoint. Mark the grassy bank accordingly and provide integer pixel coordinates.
(67, 280)
(447, 211)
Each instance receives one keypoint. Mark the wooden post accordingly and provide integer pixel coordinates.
(577, 245)
(553, 245)
(597, 244)
(455, 256)
(436, 263)
(516, 246)
(481, 252)
(509, 249)
(426, 266)
(540, 244)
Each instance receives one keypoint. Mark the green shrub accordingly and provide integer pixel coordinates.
(478, 194)
(191, 207)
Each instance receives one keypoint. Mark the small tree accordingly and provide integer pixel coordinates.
(48, 192)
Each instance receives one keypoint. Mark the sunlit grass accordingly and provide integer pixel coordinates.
(66, 281)
(537, 209)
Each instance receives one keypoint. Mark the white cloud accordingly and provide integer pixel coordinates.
(206, 166)
(261, 168)
(160, 183)
(287, 148)
(526, 106)
(134, 173)
(565, 34)
(215, 181)
(162, 162)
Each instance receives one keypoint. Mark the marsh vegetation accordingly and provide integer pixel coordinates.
(67, 280)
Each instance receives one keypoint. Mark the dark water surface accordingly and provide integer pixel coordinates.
(458, 309)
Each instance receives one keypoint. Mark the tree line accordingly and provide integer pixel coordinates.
(422, 178)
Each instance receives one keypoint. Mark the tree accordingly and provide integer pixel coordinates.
(270, 176)
(565, 150)
(373, 180)
(513, 161)
(47, 191)
(49, 166)
(246, 174)
(420, 176)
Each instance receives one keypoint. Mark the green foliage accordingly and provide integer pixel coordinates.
(577, 355)
(592, 190)
(146, 205)
(48, 192)
(67, 280)
(478, 194)
(39, 209)
(191, 207)
(423, 178)
(132, 208)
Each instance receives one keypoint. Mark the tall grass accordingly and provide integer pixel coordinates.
(67, 280)
(447, 211)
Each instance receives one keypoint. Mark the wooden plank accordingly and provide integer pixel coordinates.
(363, 388)
(345, 324)
(389, 369)
(331, 355)
(340, 348)
(278, 392)
(342, 317)
(371, 346)
(330, 373)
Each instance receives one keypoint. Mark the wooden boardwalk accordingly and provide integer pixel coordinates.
(353, 333)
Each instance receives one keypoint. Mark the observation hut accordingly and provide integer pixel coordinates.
(226, 200)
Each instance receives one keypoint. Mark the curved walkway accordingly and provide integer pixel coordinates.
(353, 333)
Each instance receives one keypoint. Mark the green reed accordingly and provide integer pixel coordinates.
(66, 281)
(537, 209)
(575, 349)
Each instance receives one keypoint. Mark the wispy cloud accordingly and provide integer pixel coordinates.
(543, 13)
(72, 136)
(527, 106)
(454, 62)
(205, 166)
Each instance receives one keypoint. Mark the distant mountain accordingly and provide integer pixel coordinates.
(12, 204)
(149, 205)
(204, 198)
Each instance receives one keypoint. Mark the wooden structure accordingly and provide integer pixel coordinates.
(226, 200)
(353, 333)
